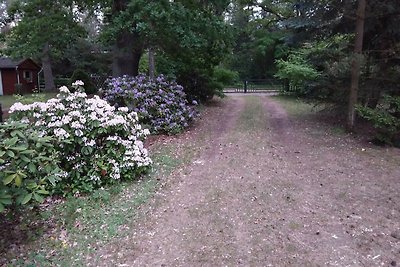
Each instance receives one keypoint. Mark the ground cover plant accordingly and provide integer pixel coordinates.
(159, 103)
(98, 144)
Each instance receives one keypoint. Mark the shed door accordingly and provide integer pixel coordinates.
(1, 84)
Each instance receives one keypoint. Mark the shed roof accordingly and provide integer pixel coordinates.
(6, 63)
(9, 63)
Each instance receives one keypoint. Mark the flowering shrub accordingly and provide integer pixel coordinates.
(98, 143)
(159, 103)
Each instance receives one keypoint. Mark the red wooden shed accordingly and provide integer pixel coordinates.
(18, 76)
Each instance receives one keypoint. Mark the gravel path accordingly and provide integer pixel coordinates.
(269, 190)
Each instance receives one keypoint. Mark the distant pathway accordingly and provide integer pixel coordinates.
(268, 190)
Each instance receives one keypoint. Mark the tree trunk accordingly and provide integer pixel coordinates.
(127, 49)
(355, 70)
(47, 70)
(123, 58)
(151, 64)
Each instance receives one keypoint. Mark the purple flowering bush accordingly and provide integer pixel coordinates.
(159, 103)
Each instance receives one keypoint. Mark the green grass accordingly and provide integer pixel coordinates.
(8, 100)
(84, 224)
(253, 115)
(295, 107)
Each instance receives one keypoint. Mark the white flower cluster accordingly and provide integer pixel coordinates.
(90, 130)
(78, 83)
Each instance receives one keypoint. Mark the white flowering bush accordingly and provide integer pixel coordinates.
(98, 144)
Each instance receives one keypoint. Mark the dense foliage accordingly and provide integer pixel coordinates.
(385, 118)
(97, 143)
(297, 72)
(191, 36)
(159, 103)
(310, 45)
(81, 75)
(29, 164)
(32, 36)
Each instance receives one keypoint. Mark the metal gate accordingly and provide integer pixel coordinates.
(255, 86)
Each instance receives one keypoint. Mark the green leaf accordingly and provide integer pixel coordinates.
(32, 167)
(43, 192)
(19, 134)
(18, 180)
(31, 185)
(10, 153)
(6, 201)
(19, 148)
(9, 179)
(24, 158)
(1, 207)
(27, 152)
(52, 180)
(12, 141)
(38, 198)
(26, 199)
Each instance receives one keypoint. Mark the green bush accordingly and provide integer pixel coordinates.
(225, 76)
(81, 75)
(297, 71)
(28, 99)
(29, 165)
(59, 81)
(385, 118)
(97, 143)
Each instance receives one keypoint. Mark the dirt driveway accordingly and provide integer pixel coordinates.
(269, 189)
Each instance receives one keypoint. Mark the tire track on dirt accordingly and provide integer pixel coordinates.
(172, 234)
(336, 192)
(271, 193)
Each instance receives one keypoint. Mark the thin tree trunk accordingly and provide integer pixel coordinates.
(47, 70)
(355, 70)
(151, 64)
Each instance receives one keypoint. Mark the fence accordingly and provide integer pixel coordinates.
(255, 86)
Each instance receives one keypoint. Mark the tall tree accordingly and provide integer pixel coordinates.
(43, 30)
(190, 33)
(355, 72)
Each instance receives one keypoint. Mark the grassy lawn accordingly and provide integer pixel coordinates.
(69, 230)
(8, 100)
(296, 107)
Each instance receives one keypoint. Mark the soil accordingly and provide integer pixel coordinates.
(269, 189)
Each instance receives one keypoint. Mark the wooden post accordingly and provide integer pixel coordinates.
(245, 86)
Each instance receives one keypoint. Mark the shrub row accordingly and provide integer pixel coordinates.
(83, 143)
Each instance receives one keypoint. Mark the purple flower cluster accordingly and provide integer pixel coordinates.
(159, 103)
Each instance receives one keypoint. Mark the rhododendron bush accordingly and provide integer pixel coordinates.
(98, 143)
(159, 103)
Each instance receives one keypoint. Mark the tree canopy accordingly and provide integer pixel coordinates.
(309, 45)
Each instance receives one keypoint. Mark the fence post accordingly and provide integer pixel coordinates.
(245, 86)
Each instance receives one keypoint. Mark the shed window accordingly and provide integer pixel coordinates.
(28, 75)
